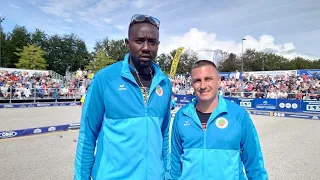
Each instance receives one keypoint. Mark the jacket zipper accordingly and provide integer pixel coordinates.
(203, 152)
(145, 105)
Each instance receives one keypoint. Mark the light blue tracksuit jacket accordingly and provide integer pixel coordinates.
(129, 137)
(229, 143)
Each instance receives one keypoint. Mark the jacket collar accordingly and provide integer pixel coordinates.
(126, 73)
(221, 108)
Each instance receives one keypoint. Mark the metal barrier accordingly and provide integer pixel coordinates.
(11, 95)
(269, 95)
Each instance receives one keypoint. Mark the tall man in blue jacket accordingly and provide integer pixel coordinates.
(126, 114)
(213, 138)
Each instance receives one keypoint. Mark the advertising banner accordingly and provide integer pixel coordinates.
(308, 72)
(310, 106)
(230, 74)
(265, 104)
(247, 103)
(31, 131)
(233, 99)
(183, 99)
(288, 105)
(272, 73)
(37, 130)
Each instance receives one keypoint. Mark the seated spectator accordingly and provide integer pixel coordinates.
(282, 94)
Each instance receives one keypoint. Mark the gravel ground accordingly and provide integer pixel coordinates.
(291, 147)
(20, 118)
(40, 157)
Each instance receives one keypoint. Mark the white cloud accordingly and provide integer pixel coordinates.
(107, 20)
(14, 6)
(100, 12)
(198, 40)
(32, 2)
(62, 8)
(121, 27)
(139, 3)
(68, 19)
(93, 13)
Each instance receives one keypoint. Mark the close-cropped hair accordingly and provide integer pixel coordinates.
(203, 63)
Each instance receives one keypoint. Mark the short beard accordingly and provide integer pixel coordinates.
(142, 68)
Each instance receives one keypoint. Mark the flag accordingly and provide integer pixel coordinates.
(175, 61)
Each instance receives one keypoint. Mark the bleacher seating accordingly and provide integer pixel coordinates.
(38, 84)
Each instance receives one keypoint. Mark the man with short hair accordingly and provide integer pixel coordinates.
(126, 113)
(213, 138)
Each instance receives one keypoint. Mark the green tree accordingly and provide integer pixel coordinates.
(300, 63)
(231, 64)
(164, 61)
(31, 57)
(316, 64)
(2, 46)
(40, 38)
(275, 62)
(66, 53)
(224, 55)
(116, 49)
(100, 61)
(19, 38)
(187, 59)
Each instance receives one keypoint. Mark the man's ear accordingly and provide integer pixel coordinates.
(127, 42)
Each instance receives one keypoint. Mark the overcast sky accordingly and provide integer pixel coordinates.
(287, 27)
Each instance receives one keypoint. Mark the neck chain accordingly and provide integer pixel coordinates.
(137, 73)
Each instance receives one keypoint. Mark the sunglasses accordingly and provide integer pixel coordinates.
(141, 18)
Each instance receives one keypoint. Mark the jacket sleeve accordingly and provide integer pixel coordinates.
(165, 135)
(90, 124)
(176, 150)
(251, 153)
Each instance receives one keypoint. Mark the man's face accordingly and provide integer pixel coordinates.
(205, 81)
(143, 43)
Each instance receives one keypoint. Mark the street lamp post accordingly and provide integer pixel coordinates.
(1, 19)
(243, 39)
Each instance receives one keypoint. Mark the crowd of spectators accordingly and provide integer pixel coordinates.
(23, 84)
(274, 87)
(19, 84)
(181, 84)
(262, 86)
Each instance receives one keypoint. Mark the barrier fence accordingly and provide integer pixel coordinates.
(30, 105)
(37, 130)
(33, 94)
(295, 108)
(267, 104)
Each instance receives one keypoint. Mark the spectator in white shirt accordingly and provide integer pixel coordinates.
(282, 94)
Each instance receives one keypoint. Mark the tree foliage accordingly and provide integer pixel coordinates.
(116, 49)
(17, 39)
(100, 61)
(68, 52)
(31, 57)
(187, 58)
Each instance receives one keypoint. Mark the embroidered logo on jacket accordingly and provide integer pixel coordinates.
(121, 87)
(159, 91)
(187, 123)
(221, 123)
